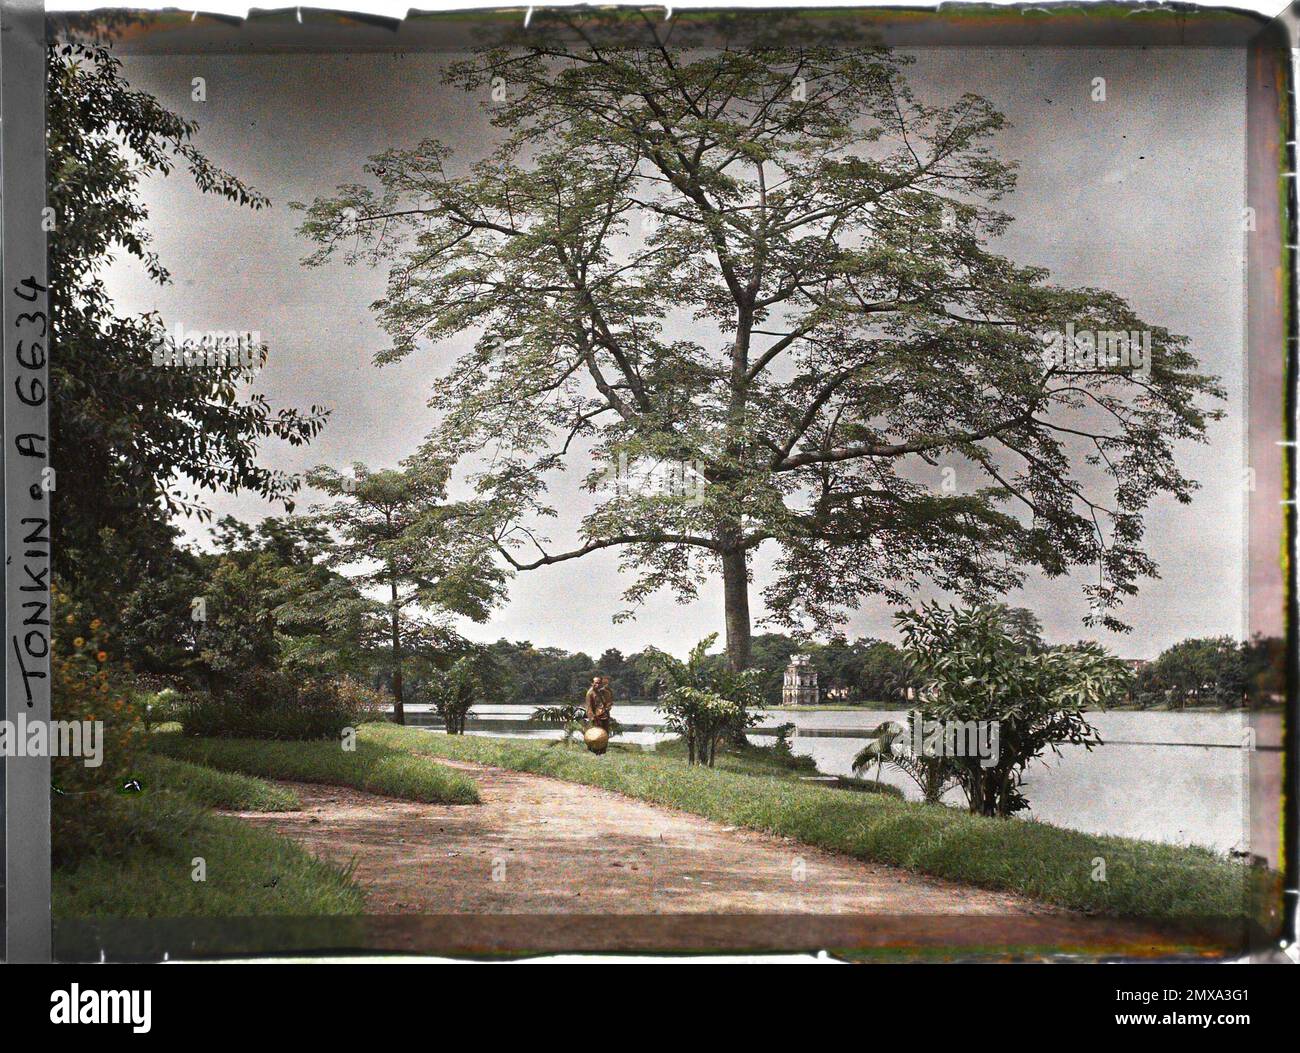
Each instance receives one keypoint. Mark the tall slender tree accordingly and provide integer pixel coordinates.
(397, 527)
(763, 263)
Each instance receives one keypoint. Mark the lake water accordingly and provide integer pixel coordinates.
(1176, 777)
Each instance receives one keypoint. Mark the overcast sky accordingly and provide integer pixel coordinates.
(1141, 194)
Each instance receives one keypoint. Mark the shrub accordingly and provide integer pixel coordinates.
(934, 774)
(977, 670)
(471, 679)
(274, 706)
(163, 707)
(782, 747)
(700, 717)
(570, 719)
(88, 687)
(702, 702)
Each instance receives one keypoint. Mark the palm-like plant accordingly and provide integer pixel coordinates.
(570, 719)
(702, 699)
(891, 744)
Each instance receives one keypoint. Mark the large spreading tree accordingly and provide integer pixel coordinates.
(767, 263)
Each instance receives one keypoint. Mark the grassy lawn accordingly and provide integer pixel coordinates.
(375, 765)
(217, 789)
(764, 760)
(148, 871)
(159, 834)
(1049, 863)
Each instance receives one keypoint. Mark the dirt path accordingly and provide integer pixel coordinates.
(541, 846)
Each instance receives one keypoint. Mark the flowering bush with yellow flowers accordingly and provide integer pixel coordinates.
(87, 684)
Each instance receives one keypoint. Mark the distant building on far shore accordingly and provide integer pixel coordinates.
(800, 685)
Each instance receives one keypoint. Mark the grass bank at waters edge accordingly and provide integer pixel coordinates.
(765, 760)
(246, 871)
(375, 765)
(1049, 863)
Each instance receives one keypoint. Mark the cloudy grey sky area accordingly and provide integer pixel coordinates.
(1141, 194)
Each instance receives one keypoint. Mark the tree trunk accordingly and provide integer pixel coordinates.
(975, 793)
(399, 713)
(735, 582)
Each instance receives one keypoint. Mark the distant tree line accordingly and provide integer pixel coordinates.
(538, 676)
(857, 672)
(1215, 671)
(1218, 671)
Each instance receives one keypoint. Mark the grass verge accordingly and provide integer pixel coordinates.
(750, 759)
(375, 765)
(1049, 863)
(245, 871)
(217, 789)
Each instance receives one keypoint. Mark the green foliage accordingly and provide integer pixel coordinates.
(89, 686)
(262, 604)
(163, 707)
(781, 747)
(281, 706)
(700, 717)
(474, 677)
(862, 672)
(571, 719)
(272, 604)
(539, 675)
(148, 586)
(702, 700)
(974, 667)
(890, 746)
(127, 436)
(557, 715)
(1214, 671)
(424, 556)
(745, 757)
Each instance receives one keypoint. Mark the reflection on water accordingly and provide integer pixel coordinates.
(1177, 777)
